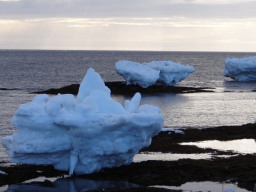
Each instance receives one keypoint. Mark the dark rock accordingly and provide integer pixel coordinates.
(241, 169)
(120, 88)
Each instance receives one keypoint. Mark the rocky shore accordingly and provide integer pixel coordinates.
(121, 88)
(224, 166)
(237, 168)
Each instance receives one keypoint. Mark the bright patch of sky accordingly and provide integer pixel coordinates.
(174, 25)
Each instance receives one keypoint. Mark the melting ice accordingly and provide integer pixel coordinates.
(82, 134)
(155, 72)
(240, 69)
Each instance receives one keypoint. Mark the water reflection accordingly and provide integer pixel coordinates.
(230, 85)
(244, 146)
(76, 184)
(158, 156)
(205, 186)
(203, 110)
(69, 184)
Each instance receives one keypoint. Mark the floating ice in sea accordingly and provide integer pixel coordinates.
(155, 72)
(240, 69)
(82, 134)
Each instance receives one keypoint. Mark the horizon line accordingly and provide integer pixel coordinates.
(120, 50)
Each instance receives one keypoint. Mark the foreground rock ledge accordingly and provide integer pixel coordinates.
(240, 168)
(120, 87)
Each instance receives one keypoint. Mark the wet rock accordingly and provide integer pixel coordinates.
(121, 88)
(240, 169)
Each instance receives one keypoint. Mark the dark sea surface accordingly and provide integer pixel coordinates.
(37, 70)
(232, 103)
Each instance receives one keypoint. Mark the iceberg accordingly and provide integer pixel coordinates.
(155, 72)
(82, 134)
(240, 69)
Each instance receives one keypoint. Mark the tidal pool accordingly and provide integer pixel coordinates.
(79, 184)
(243, 146)
(69, 184)
(158, 156)
(205, 186)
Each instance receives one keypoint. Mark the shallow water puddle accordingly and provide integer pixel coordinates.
(244, 146)
(158, 156)
(71, 184)
(205, 186)
(79, 184)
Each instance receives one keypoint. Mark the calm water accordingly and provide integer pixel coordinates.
(232, 103)
(34, 70)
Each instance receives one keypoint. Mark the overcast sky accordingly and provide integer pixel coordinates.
(161, 25)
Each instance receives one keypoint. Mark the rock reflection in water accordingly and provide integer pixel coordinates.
(69, 184)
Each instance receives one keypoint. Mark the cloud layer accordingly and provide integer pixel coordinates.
(132, 8)
(220, 25)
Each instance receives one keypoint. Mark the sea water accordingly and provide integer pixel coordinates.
(26, 71)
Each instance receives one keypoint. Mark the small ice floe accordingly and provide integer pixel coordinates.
(3, 173)
(170, 130)
(240, 69)
(82, 134)
(155, 72)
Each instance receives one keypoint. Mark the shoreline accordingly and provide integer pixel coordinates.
(238, 168)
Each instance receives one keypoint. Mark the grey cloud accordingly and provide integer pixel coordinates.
(120, 8)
